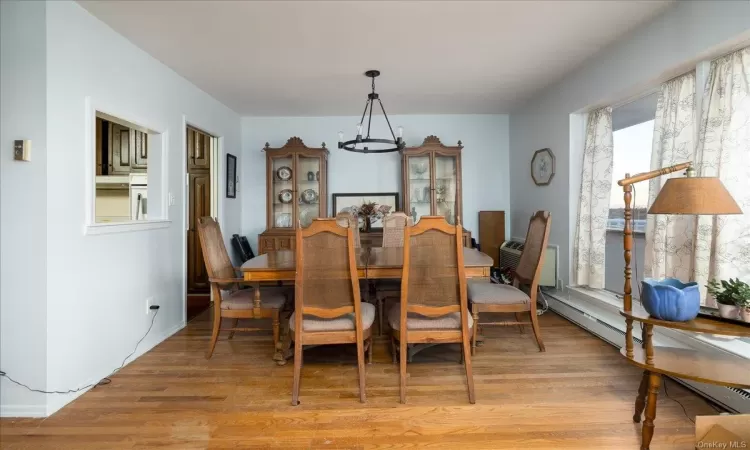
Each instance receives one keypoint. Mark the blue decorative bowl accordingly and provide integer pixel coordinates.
(670, 299)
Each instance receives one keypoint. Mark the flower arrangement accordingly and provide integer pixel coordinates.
(369, 212)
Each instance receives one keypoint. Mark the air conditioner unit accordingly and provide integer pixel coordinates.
(510, 255)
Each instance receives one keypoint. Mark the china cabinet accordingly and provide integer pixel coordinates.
(432, 181)
(296, 192)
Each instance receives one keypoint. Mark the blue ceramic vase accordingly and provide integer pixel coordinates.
(670, 299)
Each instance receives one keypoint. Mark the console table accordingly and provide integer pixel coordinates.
(707, 367)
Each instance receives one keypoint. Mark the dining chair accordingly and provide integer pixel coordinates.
(229, 300)
(350, 220)
(502, 298)
(327, 303)
(393, 237)
(433, 307)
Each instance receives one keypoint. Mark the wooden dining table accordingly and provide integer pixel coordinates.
(372, 263)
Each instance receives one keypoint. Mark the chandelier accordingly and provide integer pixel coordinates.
(382, 145)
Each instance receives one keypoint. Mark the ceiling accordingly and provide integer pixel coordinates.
(306, 58)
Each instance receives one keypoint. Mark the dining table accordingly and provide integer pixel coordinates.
(373, 263)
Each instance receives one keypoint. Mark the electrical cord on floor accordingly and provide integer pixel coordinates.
(103, 381)
(545, 303)
(666, 393)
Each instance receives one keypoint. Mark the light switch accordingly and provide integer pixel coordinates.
(22, 150)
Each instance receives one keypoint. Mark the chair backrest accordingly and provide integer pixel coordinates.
(532, 259)
(433, 280)
(350, 220)
(393, 229)
(218, 264)
(326, 282)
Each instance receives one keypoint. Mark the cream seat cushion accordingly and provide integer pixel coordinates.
(343, 323)
(270, 298)
(488, 293)
(416, 321)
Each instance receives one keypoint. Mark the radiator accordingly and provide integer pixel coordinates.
(510, 255)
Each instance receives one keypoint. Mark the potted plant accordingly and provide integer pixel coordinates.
(733, 297)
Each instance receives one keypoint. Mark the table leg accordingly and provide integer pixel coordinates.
(640, 401)
(647, 432)
(282, 352)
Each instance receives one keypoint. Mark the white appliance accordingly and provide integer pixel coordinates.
(138, 197)
(510, 255)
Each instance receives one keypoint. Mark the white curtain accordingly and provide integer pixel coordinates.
(723, 242)
(670, 238)
(596, 185)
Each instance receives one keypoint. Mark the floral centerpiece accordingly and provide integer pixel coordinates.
(370, 212)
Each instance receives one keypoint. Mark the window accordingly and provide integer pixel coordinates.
(126, 168)
(633, 130)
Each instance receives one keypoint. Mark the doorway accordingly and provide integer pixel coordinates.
(201, 168)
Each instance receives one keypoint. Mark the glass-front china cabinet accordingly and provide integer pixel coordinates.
(296, 192)
(432, 181)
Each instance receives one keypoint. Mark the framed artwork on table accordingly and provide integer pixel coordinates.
(345, 202)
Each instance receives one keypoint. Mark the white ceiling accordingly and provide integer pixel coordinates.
(306, 58)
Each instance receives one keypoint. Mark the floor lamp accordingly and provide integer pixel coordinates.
(688, 195)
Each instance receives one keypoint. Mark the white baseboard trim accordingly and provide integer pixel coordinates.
(55, 402)
(599, 320)
(33, 411)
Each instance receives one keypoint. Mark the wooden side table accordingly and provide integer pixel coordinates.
(706, 367)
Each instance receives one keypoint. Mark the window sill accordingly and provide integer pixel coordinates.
(613, 302)
(125, 227)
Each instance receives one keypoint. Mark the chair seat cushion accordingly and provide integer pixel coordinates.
(270, 298)
(495, 294)
(342, 323)
(416, 321)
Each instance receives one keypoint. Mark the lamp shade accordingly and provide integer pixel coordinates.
(694, 195)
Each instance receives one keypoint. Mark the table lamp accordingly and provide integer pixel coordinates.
(688, 195)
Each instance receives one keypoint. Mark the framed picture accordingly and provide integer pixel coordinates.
(345, 201)
(231, 176)
(543, 167)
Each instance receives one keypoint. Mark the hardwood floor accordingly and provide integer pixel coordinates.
(577, 395)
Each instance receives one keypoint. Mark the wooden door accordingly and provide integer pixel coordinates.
(199, 149)
(199, 185)
(119, 149)
(139, 151)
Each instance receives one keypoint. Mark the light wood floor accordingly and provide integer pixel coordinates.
(577, 395)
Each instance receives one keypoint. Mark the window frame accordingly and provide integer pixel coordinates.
(91, 227)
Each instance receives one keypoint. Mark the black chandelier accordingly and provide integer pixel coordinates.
(394, 145)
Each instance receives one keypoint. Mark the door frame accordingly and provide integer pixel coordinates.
(217, 208)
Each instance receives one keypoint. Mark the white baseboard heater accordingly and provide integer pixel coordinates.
(510, 255)
(732, 399)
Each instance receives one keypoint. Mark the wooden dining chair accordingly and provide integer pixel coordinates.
(229, 300)
(393, 237)
(433, 307)
(349, 220)
(393, 229)
(502, 298)
(327, 302)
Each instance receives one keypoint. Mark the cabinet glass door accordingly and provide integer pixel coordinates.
(282, 195)
(308, 189)
(446, 183)
(420, 195)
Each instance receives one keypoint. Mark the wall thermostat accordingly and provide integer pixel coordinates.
(22, 150)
